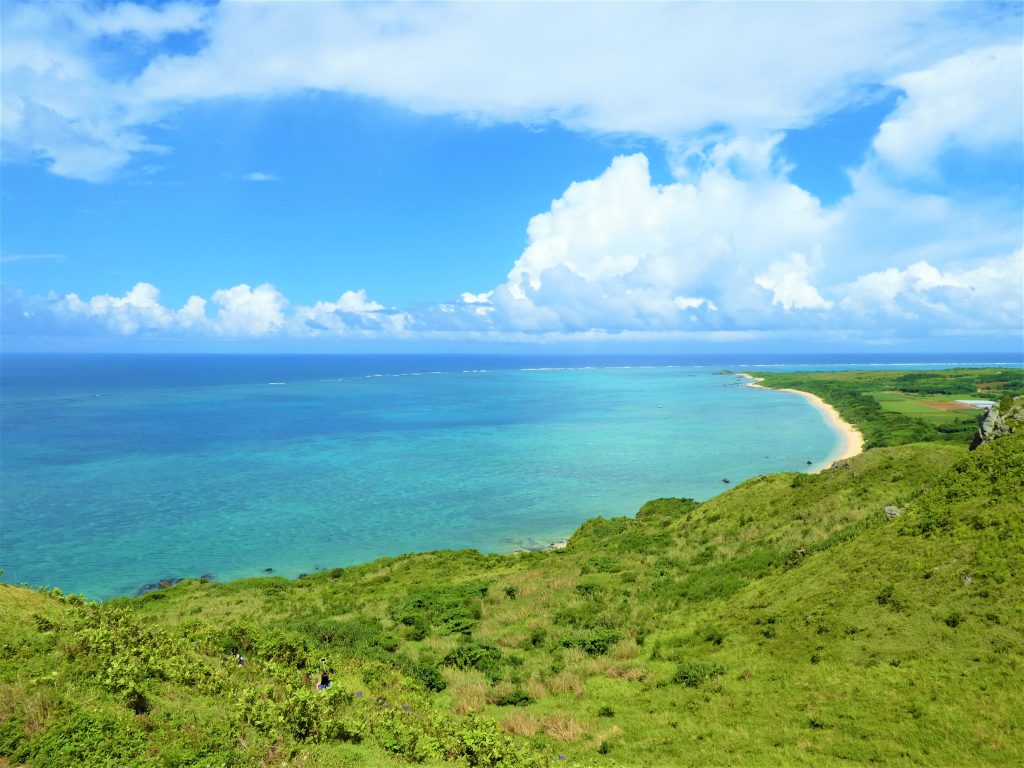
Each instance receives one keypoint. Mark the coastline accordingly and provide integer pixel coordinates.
(852, 439)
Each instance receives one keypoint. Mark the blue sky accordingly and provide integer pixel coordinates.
(327, 176)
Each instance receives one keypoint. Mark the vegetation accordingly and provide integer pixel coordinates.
(899, 407)
(789, 621)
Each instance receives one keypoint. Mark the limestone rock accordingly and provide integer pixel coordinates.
(1001, 419)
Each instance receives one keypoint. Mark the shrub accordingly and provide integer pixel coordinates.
(515, 698)
(587, 589)
(602, 564)
(595, 642)
(693, 674)
(454, 608)
(484, 658)
(430, 676)
(714, 635)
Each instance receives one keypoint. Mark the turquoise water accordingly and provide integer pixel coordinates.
(117, 472)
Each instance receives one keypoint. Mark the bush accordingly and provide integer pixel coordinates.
(282, 647)
(430, 676)
(714, 635)
(454, 608)
(483, 658)
(84, 738)
(693, 674)
(516, 698)
(594, 642)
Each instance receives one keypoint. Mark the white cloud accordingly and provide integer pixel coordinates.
(246, 311)
(260, 176)
(139, 309)
(665, 70)
(693, 302)
(789, 283)
(476, 298)
(357, 302)
(972, 101)
(240, 311)
(920, 299)
(990, 293)
(63, 104)
(621, 252)
(146, 22)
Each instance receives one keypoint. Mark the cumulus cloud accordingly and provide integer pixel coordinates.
(476, 298)
(983, 297)
(246, 311)
(622, 252)
(669, 71)
(734, 252)
(990, 292)
(353, 313)
(237, 312)
(140, 308)
(789, 283)
(970, 101)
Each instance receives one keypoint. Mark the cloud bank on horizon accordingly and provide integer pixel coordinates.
(731, 248)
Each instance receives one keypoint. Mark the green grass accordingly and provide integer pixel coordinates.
(787, 621)
(919, 407)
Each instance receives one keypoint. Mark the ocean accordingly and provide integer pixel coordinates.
(117, 471)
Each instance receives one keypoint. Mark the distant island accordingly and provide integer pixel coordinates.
(866, 613)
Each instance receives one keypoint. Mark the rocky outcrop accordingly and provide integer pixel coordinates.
(1004, 418)
(155, 585)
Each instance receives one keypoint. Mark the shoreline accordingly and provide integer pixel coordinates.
(852, 438)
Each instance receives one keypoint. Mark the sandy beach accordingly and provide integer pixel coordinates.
(853, 440)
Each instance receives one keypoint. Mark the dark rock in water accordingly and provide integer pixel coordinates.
(153, 586)
(726, 480)
(268, 570)
(809, 462)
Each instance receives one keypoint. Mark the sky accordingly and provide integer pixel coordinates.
(320, 176)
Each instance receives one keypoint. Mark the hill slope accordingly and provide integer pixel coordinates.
(788, 621)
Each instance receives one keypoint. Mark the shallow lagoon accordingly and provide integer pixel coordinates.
(123, 470)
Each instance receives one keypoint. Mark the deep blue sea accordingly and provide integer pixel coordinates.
(120, 470)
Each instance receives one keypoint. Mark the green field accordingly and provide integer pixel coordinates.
(788, 621)
(922, 407)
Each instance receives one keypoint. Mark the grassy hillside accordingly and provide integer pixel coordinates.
(789, 621)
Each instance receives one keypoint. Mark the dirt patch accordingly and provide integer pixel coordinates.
(946, 406)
